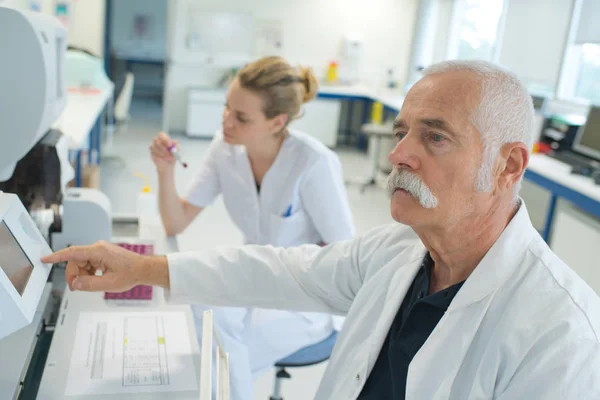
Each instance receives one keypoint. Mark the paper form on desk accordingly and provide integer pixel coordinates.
(131, 352)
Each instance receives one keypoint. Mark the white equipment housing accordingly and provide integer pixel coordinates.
(83, 204)
(22, 274)
(32, 79)
(32, 96)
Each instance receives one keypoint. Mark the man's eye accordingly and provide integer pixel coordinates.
(436, 138)
(400, 135)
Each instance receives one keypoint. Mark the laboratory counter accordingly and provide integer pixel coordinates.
(145, 330)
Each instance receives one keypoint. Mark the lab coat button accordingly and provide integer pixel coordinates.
(357, 377)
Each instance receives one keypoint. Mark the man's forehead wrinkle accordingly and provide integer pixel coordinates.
(452, 97)
(435, 110)
(444, 98)
(452, 87)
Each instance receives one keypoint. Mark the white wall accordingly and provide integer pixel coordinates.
(87, 21)
(312, 35)
(534, 40)
(23, 4)
(88, 28)
(313, 29)
(124, 42)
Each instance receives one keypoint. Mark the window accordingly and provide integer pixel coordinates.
(474, 29)
(580, 75)
(588, 77)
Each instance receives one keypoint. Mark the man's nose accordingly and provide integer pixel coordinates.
(404, 154)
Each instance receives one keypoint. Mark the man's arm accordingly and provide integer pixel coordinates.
(306, 278)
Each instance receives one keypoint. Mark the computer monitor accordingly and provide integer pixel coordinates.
(587, 140)
(22, 274)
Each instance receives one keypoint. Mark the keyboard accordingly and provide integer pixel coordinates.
(141, 292)
(571, 158)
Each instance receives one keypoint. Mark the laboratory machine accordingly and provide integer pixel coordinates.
(39, 213)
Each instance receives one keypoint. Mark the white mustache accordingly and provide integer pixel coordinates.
(412, 183)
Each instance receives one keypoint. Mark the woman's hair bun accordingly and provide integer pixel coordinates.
(311, 84)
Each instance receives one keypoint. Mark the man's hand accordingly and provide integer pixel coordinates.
(121, 269)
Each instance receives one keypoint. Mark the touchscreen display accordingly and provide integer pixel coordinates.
(13, 261)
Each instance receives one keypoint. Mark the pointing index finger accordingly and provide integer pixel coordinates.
(73, 253)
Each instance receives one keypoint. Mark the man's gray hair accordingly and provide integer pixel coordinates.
(503, 115)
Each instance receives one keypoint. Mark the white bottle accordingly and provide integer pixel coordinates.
(147, 213)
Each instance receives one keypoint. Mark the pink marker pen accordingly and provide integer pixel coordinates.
(175, 151)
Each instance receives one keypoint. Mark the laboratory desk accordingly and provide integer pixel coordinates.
(56, 371)
(365, 96)
(320, 118)
(81, 122)
(391, 99)
(556, 177)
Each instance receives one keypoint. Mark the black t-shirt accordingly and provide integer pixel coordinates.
(418, 315)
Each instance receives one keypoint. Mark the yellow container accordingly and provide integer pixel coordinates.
(332, 72)
(377, 113)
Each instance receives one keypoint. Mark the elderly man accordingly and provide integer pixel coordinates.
(461, 300)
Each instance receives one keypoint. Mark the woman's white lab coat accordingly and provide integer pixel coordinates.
(302, 199)
(523, 326)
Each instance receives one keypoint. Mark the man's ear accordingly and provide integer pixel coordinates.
(278, 123)
(513, 159)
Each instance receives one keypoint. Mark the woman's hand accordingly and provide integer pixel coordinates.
(161, 156)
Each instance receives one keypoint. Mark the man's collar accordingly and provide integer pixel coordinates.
(500, 262)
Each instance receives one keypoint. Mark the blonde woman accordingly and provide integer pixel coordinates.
(280, 187)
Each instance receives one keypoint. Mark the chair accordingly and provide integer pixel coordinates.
(307, 356)
(123, 102)
(121, 117)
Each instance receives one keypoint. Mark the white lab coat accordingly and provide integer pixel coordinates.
(523, 326)
(302, 200)
(305, 175)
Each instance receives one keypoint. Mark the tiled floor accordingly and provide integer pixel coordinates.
(130, 155)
